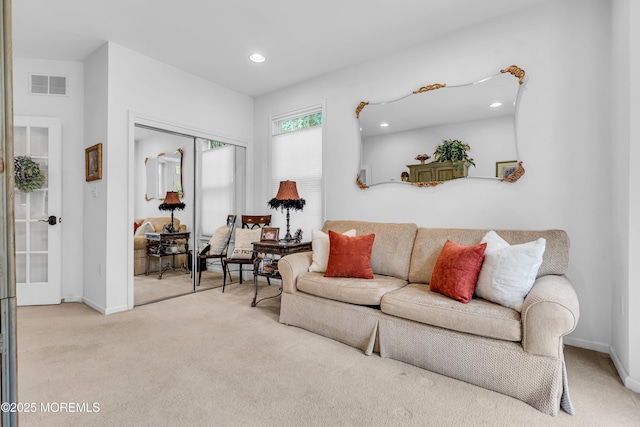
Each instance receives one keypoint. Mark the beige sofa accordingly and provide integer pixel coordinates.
(140, 246)
(397, 316)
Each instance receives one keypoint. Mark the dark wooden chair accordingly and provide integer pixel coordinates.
(250, 222)
(204, 255)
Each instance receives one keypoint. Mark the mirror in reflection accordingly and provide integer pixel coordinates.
(441, 132)
(164, 173)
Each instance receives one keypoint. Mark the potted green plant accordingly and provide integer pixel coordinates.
(454, 151)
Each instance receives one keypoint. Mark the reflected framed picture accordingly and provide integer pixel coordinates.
(93, 162)
(506, 168)
(270, 234)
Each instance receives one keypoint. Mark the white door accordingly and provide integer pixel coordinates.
(37, 214)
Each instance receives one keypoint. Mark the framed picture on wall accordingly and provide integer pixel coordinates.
(270, 234)
(506, 168)
(93, 162)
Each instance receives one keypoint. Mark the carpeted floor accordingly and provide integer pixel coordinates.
(209, 359)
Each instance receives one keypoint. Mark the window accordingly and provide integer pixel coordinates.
(218, 190)
(296, 155)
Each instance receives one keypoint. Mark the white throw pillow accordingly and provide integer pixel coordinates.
(320, 245)
(146, 227)
(218, 241)
(243, 249)
(508, 271)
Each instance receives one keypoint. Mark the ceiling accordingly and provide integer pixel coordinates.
(213, 39)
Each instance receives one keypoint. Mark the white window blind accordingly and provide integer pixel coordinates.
(297, 156)
(217, 196)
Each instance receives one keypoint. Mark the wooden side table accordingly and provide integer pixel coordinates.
(277, 249)
(164, 244)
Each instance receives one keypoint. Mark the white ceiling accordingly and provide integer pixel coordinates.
(213, 39)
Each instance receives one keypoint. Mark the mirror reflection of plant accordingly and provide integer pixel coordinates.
(27, 173)
(454, 151)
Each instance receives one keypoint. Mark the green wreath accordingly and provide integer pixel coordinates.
(28, 176)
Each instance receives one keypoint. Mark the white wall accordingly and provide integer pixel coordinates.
(150, 147)
(634, 201)
(95, 192)
(625, 61)
(563, 131)
(70, 110)
(141, 85)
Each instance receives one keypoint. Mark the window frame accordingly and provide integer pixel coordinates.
(274, 120)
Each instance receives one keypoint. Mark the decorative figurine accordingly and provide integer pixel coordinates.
(423, 157)
(297, 237)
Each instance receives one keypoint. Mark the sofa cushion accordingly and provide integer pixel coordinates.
(456, 271)
(480, 317)
(350, 256)
(429, 242)
(320, 245)
(508, 271)
(146, 227)
(160, 221)
(392, 247)
(349, 290)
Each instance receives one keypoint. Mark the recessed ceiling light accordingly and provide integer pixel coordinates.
(384, 125)
(256, 57)
(496, 105)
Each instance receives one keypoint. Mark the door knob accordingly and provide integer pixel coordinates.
(52, 220)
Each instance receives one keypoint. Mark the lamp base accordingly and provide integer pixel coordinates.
(287, 240)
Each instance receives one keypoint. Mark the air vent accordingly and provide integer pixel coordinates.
(47, 85)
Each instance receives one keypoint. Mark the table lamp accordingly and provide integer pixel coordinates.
(171, 203)
(287, 198)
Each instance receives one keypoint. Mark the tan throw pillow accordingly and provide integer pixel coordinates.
(320, 245)
(218, 241)
(243, 249)
(146, 227)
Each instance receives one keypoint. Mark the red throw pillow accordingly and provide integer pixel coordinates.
(350, 256)
(456, 271)
(135, 227)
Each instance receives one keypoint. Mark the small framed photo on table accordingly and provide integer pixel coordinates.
(506, 168)
(270, 234)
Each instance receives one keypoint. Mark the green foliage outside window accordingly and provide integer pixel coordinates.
(215, 144)
(301, 123)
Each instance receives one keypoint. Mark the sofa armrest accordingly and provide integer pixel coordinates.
(291, 266)
(549, 312)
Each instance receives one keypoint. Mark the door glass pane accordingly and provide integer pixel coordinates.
(38, 205)
(20, 141)
(21, 268)
(38, 267)
(20, 207)
(44, 167)
(38, 236)
(39, 142)
(21, 236)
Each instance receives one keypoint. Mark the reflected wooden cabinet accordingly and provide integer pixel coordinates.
(437, 171)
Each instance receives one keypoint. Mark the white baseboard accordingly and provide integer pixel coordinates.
(589, 345)
(117, 309)
(69, 298)
(629, 382)
(96, 307)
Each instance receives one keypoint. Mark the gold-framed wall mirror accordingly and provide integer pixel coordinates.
(164, 173)
(407, 140)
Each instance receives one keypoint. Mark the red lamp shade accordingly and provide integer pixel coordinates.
(172, 198)
(287, 191)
